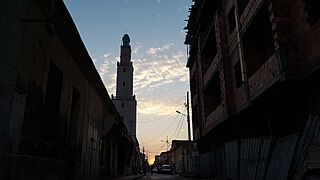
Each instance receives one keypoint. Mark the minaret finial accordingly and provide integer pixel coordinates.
(126, 40)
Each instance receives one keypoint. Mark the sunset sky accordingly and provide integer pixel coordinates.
(158, 55)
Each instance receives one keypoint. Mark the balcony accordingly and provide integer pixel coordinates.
(215, 116)
(213, 67)
(215, 101)
(265, 76)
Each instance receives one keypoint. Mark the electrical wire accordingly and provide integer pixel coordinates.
(157, 127)
(181, 119)
(160, 149)
(179, 130)
(180, 122)
(163, 130)
(153, 145)
(153, 120)
(160, 133)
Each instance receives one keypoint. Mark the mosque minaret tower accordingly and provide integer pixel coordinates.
(124, 100)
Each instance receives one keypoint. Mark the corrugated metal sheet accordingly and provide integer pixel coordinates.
(253, 157)
(310, 136)
(231, 154)
(209, 165)
(281, 158)
(219, 157)
(264, 153)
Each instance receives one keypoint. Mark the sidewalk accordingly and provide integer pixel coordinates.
(133, 177)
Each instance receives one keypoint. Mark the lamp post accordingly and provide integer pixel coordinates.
(188, 117)
(188, 120)
(189, 132)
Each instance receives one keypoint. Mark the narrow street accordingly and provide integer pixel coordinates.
(189, 89)
(166, 176)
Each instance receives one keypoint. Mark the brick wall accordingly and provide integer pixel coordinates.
(306, 36)
(264, 76)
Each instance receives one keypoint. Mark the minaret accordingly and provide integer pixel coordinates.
(125, 101)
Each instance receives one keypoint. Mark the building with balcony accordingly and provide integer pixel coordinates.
(254, 67)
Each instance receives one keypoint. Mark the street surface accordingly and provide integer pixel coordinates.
(166, 176)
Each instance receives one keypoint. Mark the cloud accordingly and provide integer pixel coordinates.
(159, 106)
(155, 51)
(159, 16)
(111, 84)
(162, 70)
(151, 72)
(107, 71)
(137, 48)
(103, 68)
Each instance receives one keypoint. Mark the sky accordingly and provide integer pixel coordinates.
(159, 59)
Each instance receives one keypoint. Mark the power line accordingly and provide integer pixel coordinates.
(153, 120)
(167, 142)
(160, 133)
(156, 127)
(158, 150)
(153, 145)
(179, 130)
(181, 119)
(152, 130)
(180, 122)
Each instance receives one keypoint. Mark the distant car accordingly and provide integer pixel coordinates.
(155, 169)
(166, 169)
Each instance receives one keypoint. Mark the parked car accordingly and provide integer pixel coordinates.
(155, 169)
(166, 169)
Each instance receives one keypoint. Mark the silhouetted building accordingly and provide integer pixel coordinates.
(125, 101)
(57, 120)
(180, 161)
(254, 68)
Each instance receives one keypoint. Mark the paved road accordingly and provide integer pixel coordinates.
(165, 176)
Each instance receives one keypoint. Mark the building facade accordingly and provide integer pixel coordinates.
(180, 156)
(124, 100)
(253, 68)
(57, 120)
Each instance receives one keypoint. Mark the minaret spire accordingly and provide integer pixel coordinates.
(125, 100)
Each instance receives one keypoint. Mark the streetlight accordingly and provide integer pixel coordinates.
(189, 134)
(188, 117)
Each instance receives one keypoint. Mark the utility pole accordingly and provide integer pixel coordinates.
(188, 149)
(188, 117)
(189, 134)
(167, 142)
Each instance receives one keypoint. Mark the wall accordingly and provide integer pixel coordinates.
(43, 55)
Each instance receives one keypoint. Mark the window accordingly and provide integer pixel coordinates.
(210, 50)
(313, 10)
(212, 94)
(231, 20)
(124, 83)
(74, 120)
(52, 103)
(124, 69)
(122, 104)
(258, 47)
